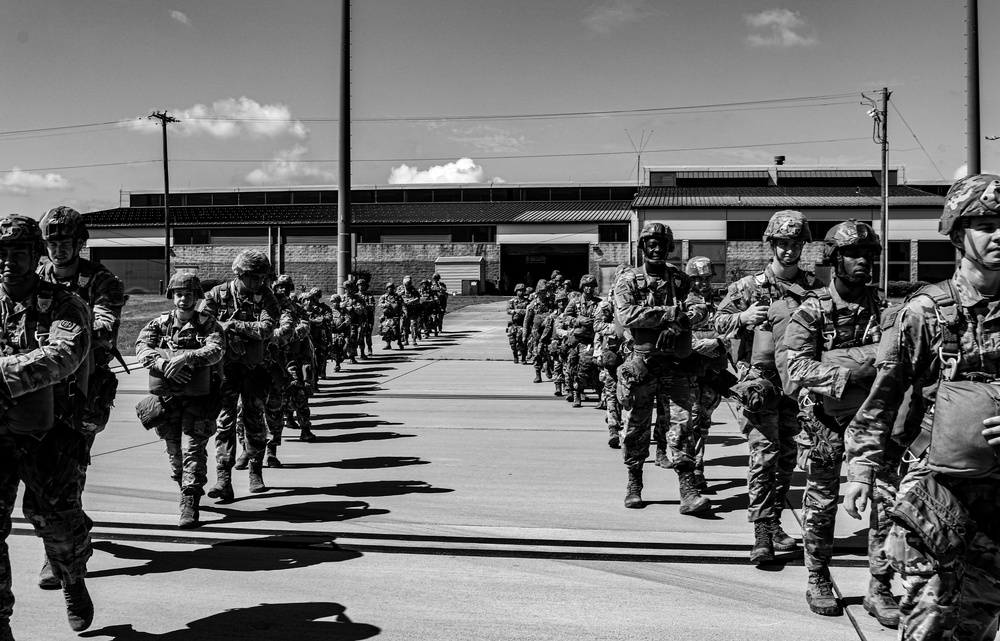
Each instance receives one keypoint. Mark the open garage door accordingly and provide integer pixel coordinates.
(528, 263)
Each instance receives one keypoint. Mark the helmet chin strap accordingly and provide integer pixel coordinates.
(783, 261)
(978, 259)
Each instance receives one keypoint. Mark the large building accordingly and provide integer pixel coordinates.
(486, 238)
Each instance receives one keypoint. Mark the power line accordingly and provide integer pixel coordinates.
(931, 160)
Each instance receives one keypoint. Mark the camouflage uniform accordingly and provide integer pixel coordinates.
(946, 524)
(390, 327)
(249, 320)
(771, 430)
(440, 290)
(354, 305)
(411, 311)
(516, 308)
(340, 332)
(191, 420)
(45, 339)
(652, 310)
(368, 302)
(556, 328)
(319, 315)
(430, 309)
(580, 341)
(609, 354)
(286, 381)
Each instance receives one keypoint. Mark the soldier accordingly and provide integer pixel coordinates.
(390, 327)
(65, 235)
(248, 313)
(319, 314)
(713, 351)
(183, 351)
(534, 323)
(608, 353)
(411, 311)
(831, 344)
(46, 339)
(354, 305)
(340, 331)
(430, 309)
(369, 302)
(771, 424)
(557, 345)
(440, 290)
(650, 305)
(583, 370)
(943, 344)
(516, 308)
(294, 357)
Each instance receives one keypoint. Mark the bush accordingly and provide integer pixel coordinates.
(902, 288)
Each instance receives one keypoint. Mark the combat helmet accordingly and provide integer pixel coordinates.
(21, 230)
(284, 282)
(787, 224)
(975, 195)
(520, 287)
(700, 266)
(657, 230)
(251, 261)
(850, 233)
(185, 280)
(315, 293)
(588, 280)
(60, 223)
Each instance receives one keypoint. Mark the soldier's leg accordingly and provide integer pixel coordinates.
(679, 395)
(225, 436)
(761, 429)
(708, 401)
(274, 414)
(638, 395)
(819, 501)
(8, 497)
(194, 443)
(788, 427)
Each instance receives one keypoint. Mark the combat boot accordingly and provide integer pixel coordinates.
(524, 359)
(336, 367)
(558, 391)
(548, 371)
(189, 511)
(79, 607)
(223, 489)
(257, 477)
(880, 603)
(388, 346)
(614, 438)
(516, 358)
(46, 579)
(576, 398)
(780, 539)
(763, 548)
(354, 361)
(272, 456)
(307, 435)
(820, 596)
(399, 344)
(538, 376)
(662, 460)
(691, 501)
(242, 460)
(633, 491)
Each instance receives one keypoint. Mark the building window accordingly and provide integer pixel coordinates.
(899, 260)
(192, 236)
(935, 260)
(713, 249)
(745, 229)
(307, 197)
(612, 233)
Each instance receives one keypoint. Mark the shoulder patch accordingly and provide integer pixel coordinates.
(67, 325)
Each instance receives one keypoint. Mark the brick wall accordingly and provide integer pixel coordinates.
(751, 256)
(611, 254)
(392, 262)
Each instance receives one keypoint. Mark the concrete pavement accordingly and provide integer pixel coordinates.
(447, 497)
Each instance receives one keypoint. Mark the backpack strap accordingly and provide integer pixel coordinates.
(949, 316)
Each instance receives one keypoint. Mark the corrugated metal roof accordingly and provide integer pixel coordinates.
(818, 173)
(722, 174)
(777, 196)
(366, 214)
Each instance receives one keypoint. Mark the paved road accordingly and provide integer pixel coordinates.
(447, 497)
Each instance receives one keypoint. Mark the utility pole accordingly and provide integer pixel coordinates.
(164, 119)
(344, 166)
(880, 134)
(972, 91)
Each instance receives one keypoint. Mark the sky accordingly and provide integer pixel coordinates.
(515, 91)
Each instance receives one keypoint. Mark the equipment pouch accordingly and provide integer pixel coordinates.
(929, 510)
(31, 413)
(629, 374)
(722, 381)
(853, 396)
(152, 411)
(762, 352)
(57, 459)
(957, 446)
(100, 398)
(757, 395)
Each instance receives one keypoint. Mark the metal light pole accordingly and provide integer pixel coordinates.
(972, 91)
(164, 119)
(344, 168)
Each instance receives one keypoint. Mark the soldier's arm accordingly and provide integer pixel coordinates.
(901, 363)
(147, 343)
(211, 304)
(285, 330)
(802, 340)
(604, 322)
(67, 348)
(213, 349)
(109, 298)
(261, 328)
(633, 313)
(529, 315)
(727, 318)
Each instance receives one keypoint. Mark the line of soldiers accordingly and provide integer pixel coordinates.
(907, 393)
(411, 313)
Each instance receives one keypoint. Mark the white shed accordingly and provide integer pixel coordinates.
(462, 274)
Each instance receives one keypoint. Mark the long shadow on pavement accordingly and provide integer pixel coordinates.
(249, 555)
(265, 622)
(309, 512)
(369, 463)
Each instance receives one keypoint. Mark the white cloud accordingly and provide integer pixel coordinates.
(607, 17)
(463, 170)
(181, 17)
(289, 169)
(779, 28)
(19, 183)
(489, 139)
(230, 118)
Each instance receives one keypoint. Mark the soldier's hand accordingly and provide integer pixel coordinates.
(865, 374)
(992, 431)
(175, 369)
(856, 498)
(754, 315)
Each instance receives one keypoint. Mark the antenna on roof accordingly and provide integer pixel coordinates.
(643, 141)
